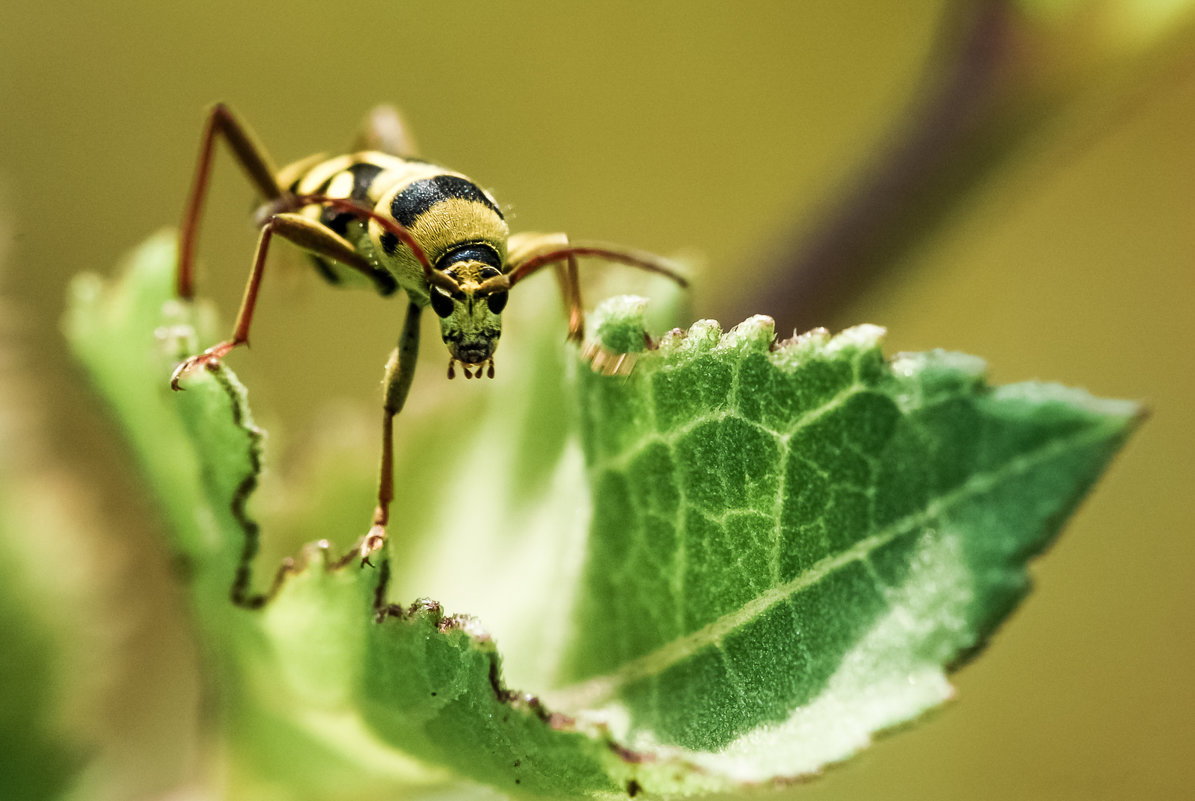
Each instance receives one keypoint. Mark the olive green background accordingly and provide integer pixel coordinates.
(710, 129)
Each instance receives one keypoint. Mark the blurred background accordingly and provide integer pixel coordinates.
(1011, 179)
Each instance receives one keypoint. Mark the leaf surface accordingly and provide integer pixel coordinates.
(788, 548)
(792, 544)
(325, 688)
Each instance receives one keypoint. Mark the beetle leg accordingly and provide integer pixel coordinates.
(523, 247)
(532, 252)
(400, 371)
(387, 224)
(570, 291)
(307, 234)
(252, 158)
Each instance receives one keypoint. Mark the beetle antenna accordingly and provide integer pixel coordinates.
(390, 225)
(632, 258)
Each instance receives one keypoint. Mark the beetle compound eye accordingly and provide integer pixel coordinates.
(441, 303)
(496, 301)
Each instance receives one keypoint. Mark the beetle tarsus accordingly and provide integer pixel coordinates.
(209, 360)
(372, 543)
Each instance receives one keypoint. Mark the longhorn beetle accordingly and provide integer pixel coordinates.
(381, 217)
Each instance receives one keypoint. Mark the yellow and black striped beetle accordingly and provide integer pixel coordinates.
(382, 217)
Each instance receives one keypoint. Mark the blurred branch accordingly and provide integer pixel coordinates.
(970, 117)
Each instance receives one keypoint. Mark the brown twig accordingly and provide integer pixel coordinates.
(965, 121)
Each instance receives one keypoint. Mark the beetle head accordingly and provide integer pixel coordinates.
(470, 306)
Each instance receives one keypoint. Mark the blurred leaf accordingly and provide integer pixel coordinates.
(788, 546)
(37, 760)
(41, 634)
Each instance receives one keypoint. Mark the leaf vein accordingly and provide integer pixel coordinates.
(603, 688)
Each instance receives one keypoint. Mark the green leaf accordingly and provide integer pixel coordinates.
(789, 546)
(326, 689)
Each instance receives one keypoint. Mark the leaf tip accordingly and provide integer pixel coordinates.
(618, 324)
(755, 333)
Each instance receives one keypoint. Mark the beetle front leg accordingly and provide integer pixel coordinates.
(570, 290)
(400, 372)
(211, 357)
(524, 246)
(308, 235)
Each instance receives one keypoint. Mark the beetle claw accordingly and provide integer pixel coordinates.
(372, 542)
(209, 359)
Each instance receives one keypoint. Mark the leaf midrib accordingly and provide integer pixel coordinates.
(599, 690)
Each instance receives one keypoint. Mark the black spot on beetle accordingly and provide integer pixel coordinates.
(336, 220)
(322, 189)
(389, 243)
(473, 252)
(363, 174)
(421, 196)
